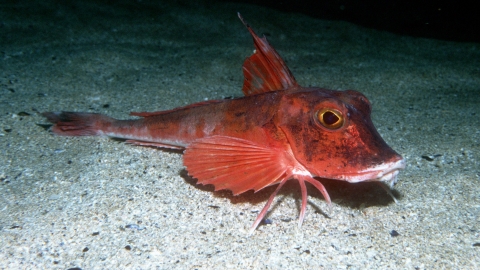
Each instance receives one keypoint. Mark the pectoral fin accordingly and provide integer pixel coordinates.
(265, 70)
(240, 165)
(235, 164)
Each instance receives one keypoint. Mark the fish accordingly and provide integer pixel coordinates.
(276, 132)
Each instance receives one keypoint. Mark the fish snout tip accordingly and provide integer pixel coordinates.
(400, 163)
(390, 175)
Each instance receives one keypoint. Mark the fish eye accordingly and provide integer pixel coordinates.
(330, 118)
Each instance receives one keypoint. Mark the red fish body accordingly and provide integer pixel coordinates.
(278, 131)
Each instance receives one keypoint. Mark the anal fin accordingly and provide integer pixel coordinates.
(154, 144)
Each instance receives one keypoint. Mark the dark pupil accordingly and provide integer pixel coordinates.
(330, 118)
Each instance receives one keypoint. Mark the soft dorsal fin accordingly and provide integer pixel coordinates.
(264, 70)
(198, 104)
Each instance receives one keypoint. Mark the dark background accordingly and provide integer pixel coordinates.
(447, 20)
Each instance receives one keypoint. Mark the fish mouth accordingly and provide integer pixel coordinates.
(386, 172)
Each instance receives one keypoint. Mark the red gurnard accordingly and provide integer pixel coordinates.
(278, 131)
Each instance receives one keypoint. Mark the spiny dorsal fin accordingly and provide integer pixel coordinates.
(265, 70)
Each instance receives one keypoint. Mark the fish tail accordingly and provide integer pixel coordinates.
(77, 123)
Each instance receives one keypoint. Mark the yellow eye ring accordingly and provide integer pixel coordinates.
(330, 118)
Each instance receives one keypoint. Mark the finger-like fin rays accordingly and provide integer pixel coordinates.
(266, 207)
(389, 192)
(301, 180)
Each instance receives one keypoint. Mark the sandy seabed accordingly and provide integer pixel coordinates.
(97, 203)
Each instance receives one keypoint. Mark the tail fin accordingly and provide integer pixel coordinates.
(77, 124)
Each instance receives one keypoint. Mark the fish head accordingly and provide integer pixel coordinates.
(332, 135)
